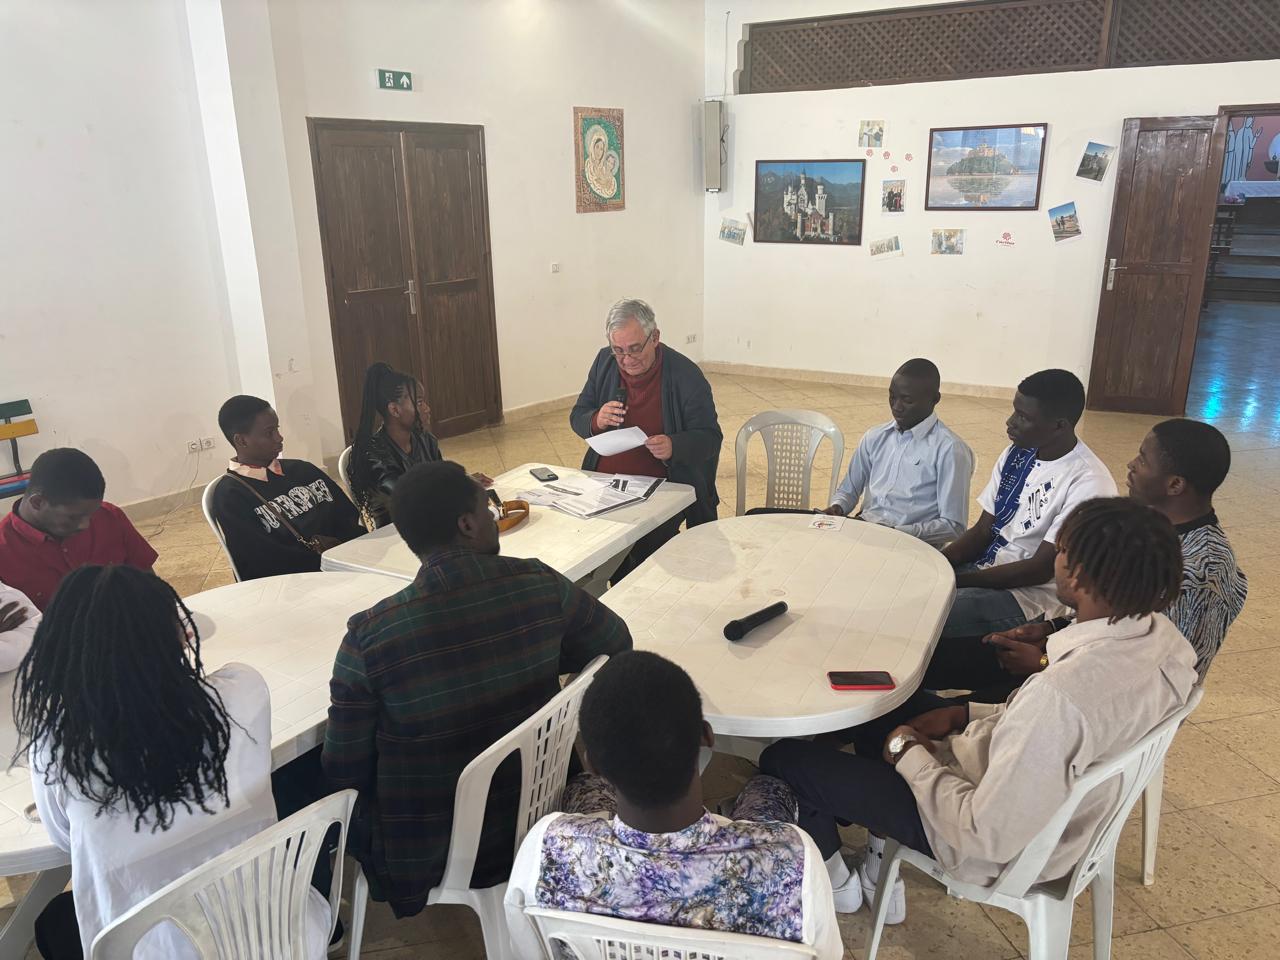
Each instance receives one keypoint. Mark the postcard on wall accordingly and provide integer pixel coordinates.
(891, 194)
(985, 168)
(947, 243)
(598, 159)
(818, 202)
(871, 133)
(733, 231)
(885, 248)
(1094, 161)
(1065, 222)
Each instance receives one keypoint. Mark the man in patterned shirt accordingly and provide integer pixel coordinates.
(653, 853)
(436, 673)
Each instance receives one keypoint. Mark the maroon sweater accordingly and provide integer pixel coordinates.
(644, 410)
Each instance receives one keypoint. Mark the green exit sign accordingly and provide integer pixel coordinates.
(395, 80)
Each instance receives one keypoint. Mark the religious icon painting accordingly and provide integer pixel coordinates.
(598, 157)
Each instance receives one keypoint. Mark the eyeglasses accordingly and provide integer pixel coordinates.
(632, 351)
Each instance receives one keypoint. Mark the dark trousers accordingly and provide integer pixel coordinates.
(966, 663)
(300, 783)
(833, 788)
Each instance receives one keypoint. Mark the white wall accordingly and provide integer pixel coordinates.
(518, 67)
(113, 312)
(989, 317)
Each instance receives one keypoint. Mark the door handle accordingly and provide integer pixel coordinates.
(1111, 274)
(412, 294)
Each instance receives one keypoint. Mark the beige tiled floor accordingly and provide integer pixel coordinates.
(1217, 891)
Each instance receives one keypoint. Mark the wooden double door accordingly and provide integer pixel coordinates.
(404, 227)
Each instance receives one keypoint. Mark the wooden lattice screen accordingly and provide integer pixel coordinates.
(990, 38)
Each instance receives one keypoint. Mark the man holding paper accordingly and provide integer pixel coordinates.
(636, 381)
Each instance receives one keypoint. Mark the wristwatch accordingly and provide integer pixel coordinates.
(1044, 661)
(898, 745)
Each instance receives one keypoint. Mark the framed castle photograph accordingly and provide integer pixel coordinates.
(597, 159)
(985, 168)
(809, 201)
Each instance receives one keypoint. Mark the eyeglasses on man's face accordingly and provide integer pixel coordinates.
(632, 351)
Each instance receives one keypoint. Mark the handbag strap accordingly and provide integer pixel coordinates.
(271, 505)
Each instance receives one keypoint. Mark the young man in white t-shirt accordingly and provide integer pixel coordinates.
(1004, 562)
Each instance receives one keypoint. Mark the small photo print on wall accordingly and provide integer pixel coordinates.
(947, 243)
(871, 133)
(891, 193)
(1065, 222)
(886, 248)
(1094, 161)
(598, 155)
(733, 231)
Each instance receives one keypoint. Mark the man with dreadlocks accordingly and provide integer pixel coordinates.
(143, 766)
(972, 784)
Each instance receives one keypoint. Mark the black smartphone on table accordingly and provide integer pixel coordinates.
(544, 475)
(860, 680)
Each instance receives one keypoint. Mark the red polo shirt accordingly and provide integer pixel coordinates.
(35, 562)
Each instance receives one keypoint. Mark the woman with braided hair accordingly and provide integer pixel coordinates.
(987, 777)
(144, 766)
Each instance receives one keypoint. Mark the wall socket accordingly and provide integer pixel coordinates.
(200, 443)
(691, 338)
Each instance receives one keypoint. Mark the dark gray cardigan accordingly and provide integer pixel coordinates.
(688, 418)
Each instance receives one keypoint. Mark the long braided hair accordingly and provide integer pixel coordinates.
(113, 689)
(382, 385)
(1128, 555)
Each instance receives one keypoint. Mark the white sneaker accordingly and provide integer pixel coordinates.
(867, 874)
(848, 895)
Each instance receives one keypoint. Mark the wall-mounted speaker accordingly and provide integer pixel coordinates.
(712, 131)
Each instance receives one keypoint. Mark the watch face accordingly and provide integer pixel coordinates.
(897, 744)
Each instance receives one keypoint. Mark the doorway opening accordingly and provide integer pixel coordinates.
(1237, 353)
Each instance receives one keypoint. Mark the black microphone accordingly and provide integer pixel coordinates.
(737, 629)
(619, 396)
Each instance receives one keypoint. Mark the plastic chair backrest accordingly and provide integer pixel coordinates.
(249, 903)
(545, 743)
(344, 466)
(206, 504)
(589, 936)
(1135, 767)
(791, 439)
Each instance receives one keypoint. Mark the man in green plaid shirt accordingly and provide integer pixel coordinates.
(432, 676)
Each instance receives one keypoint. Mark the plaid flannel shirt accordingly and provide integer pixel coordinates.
(427, 680)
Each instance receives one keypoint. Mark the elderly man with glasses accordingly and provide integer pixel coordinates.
(637, 381)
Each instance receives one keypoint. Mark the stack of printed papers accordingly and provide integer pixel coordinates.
(581, 496)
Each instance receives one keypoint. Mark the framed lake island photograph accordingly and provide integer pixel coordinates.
(809, 201)
(985, 168)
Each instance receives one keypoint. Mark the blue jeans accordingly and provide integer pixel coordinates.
(978, 611)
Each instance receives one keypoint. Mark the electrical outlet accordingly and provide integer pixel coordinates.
(691, 338)
(193, 446)
(555, 268)
(206, 443)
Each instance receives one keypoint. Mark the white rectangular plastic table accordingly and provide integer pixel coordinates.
(287, 628)
(576, 548)
(863, 597)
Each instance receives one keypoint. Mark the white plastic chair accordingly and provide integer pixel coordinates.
(545, 742)
(206, 504)
(1046, 908)
(1152, 799)
(249, 903)
(587, 936)
(344, 465)
(791, 439)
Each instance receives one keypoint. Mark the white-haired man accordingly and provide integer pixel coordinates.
(668, 398)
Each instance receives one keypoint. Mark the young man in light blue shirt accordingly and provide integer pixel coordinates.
(911, 473)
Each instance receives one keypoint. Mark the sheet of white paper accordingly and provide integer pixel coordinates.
(613, 442)
(579, 496)
(629, 483)
(824, 522)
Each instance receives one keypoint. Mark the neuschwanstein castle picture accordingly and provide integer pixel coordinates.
(809, 201)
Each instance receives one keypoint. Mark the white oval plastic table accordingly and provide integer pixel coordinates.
(860, 597)
(287, 628)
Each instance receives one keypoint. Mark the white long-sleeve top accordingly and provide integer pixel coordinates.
(15, 643)
(992, 787)
(114, 867)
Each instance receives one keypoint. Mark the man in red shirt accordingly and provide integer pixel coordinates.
(637, 381)
(63, 523)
